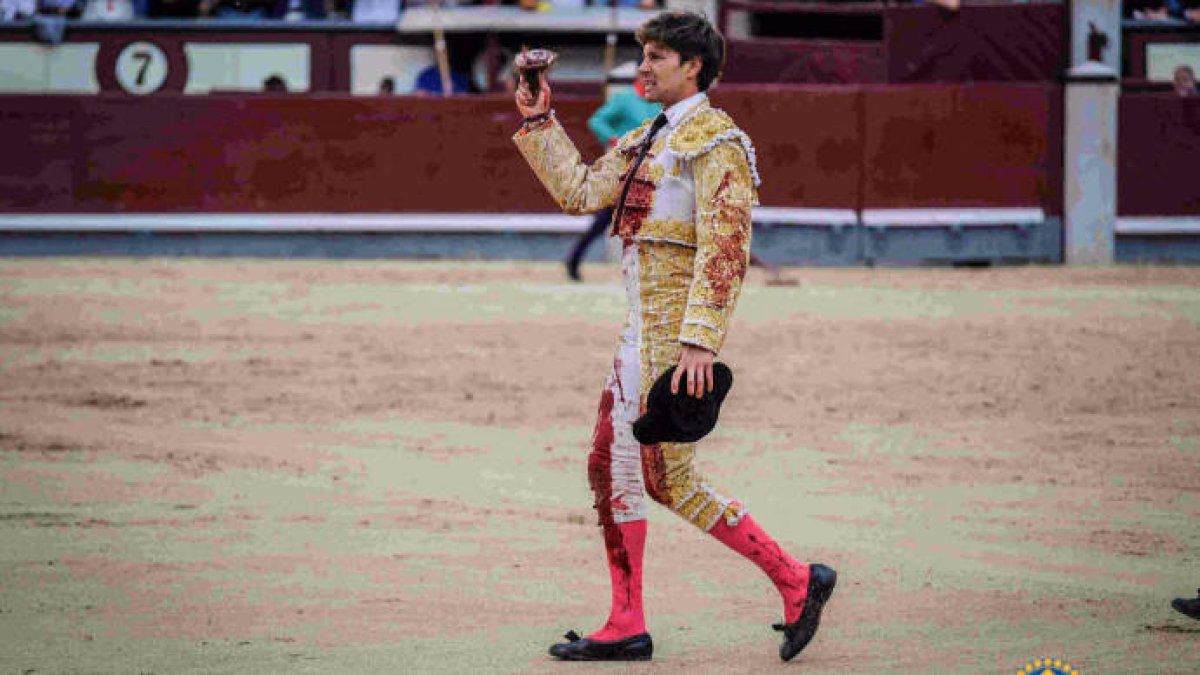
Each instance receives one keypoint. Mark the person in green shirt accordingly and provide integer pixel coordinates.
(625, 110)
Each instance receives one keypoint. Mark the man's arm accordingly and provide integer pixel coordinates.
(576, 186)
(724, 194)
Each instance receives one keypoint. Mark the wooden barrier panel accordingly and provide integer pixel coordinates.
(804, 62)
(808, 141)
(41, 157)
(1159, 140)
(276, 154)
(914, 146)
(932, 146)
(1001, 42)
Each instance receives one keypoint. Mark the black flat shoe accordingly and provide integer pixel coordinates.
(799, 633)
(573, 270)
(1188, 606)
(634, 648)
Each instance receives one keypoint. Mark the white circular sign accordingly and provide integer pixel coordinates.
(141, 68)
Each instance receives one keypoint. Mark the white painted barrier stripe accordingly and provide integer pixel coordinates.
(966, 217)
(531, 222)
(297, 222)
(360, 222)
(797, 216)
(597, 19)
(1159, 225)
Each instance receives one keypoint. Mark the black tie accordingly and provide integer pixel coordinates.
(659, 123)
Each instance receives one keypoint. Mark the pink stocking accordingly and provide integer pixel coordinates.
(625, 543)
(789, 576)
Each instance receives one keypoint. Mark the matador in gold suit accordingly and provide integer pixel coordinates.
(684, 221)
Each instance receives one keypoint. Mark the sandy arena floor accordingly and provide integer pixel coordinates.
(356, 467)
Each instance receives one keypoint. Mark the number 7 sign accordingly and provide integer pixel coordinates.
(141, 68)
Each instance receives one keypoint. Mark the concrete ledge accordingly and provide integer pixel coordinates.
(776, 215)
(1167, 225)
(952, 217)
(545, 223)
(368, 222)
(422, 20)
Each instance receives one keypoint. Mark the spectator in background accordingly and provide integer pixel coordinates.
(387, 86)
(1152, 10)
(429, 82)
(243, 10)
(256, 10)
(1185, 81)
(275, 84)
(113, 10)
(1163, 10)
(17, 10)
(67, 8)
(640, 4)
(295, 10)
(459, 52)
(172, 9)
(375, 11)
(549, 5)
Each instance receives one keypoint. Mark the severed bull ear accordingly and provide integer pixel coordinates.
(530, 63)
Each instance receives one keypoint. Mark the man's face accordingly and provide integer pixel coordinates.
(1185, 81)
(665, 78)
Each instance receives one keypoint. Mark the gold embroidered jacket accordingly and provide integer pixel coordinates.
(687, 212)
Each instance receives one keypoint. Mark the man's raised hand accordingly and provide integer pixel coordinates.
(526, 104)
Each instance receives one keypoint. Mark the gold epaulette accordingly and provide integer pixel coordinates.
(703, 130)
(633, 138)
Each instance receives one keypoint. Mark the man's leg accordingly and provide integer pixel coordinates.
(615, 476)
(624, 544)
(672, 481)
(789, 575)
(600, 223)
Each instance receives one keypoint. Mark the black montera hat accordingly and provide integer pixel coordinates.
(679, 418)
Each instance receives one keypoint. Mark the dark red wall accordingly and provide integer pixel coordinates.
(808, 141)
(1000, 42)
(981, 42)
(974, 145)
(804, 62)
(839, 147)
(289, 154)
(42, 158)
(1158, 170)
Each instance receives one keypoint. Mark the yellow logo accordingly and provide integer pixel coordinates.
(1048, 667)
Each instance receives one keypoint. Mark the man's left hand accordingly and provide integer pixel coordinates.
(697, 363)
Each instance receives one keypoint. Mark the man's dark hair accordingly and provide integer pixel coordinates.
(692, 36)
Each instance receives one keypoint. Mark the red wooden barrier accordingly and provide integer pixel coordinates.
(947, 146)
(836, 147)
(1159, 141)
(808, 141)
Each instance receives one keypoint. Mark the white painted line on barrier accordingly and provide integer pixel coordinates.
(597, 19)
(428, 223)
(950, 217)
(297, 222)
(1159, 225)
(797, 216)
(528, 223)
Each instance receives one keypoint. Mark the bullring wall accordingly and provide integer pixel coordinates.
(818, 147)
